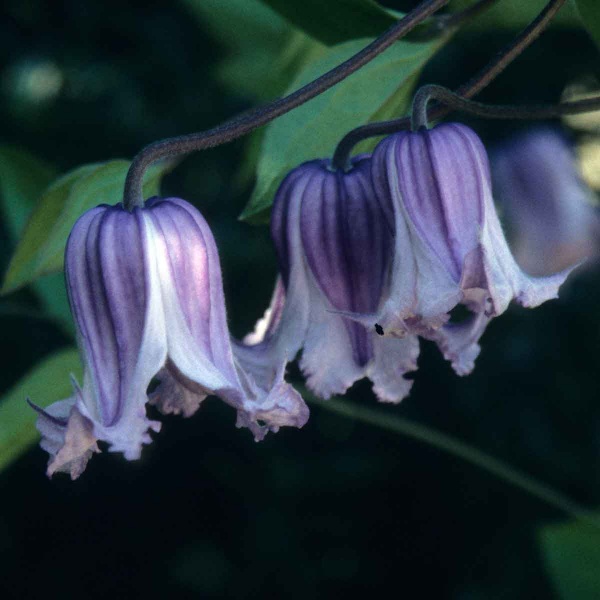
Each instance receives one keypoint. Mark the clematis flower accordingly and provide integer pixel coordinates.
(334, 249)
(146, 294)
(449, 245)
(547, 205)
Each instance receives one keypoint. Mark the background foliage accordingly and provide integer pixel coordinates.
(338, 507)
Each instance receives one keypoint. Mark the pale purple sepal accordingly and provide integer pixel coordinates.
(333, 243)
(449, 245)
(546, 204)
(145, 287)
(120, 326)
(201, 360)
(67, 436)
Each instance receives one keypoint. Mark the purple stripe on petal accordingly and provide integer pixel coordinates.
(347, 243)
(280, 224)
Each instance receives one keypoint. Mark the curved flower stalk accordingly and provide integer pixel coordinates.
(449, 245)
(548, 207)
(146, 292)
(334, 247)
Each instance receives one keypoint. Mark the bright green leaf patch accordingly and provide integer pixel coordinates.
(47, 382)
(589, 11)
(335, 21)
(571, 553)
(41, 248)
(313, 130)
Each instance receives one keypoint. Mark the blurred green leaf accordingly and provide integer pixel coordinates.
(268, 75)
(571, 553)
(47, 382)
(23, 178)
(253, 35)
(53, 294)
(313, 130)
(40, 251)
(515, 14)
(240, 23)
(589, 11)
(335, 21)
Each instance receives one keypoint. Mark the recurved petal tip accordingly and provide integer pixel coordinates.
(393, 359)
(281, 406)
(537, 290)
(67, 436)
(458, 342)
(170, 397)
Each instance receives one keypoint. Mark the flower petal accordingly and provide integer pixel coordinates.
(115, 299)
(393, 359)
(547, 205)
(171, 397)
(67, 436)
(200, 352)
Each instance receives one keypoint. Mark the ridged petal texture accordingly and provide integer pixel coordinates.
(146, 293)
(547, 206)
(334, 247)
(449, 245)
(201, 360)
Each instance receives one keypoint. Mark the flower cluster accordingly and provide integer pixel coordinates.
(370, 259)
(146, 294)
(374, 257)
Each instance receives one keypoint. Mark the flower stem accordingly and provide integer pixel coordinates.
(459, 449)
(468, 90)
(419, 118)
(250, 120)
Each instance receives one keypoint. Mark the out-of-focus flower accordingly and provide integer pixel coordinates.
(146, 292)
(547, 206)
(449, 245)
(334, 246)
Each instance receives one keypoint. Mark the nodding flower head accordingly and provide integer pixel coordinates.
(547, 206)
(146, 295)
(449, 245)
(334, 247)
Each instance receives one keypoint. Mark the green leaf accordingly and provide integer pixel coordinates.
(298, 52)
(515, 14)
(240, 24)
(41, 249)
(47, 382)
(313, 130)
(253, 36)
(589, 11)
(52, 292)
(335, 21)
(571, 553)
(23, 178)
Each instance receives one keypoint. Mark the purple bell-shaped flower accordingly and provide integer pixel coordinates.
(449, 245)
(334, 247)
(546, 204)
(146, 292)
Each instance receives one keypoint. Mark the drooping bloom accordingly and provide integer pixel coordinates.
(547, 205)
(145, 290)
(334, 248)
(449, 245)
